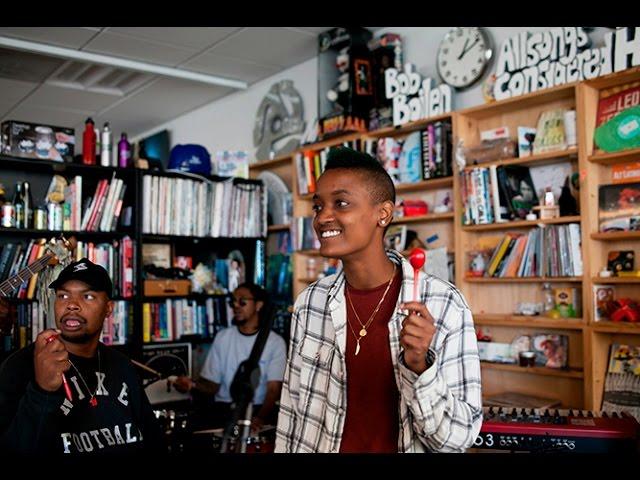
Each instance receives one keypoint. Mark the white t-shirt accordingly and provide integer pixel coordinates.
(230, 348)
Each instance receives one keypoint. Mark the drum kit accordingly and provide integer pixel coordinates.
(180, 437)
(262, 441)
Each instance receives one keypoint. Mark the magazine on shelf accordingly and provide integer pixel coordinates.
(619, 207)
(622, 381)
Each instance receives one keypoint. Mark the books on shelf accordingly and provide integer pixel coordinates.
(303, 236)
(176, 317)
(202, 208)
(552, 251)
(115, 326)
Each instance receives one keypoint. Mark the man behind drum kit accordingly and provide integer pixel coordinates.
(231, 347)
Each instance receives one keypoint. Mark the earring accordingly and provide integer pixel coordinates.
(382, 222)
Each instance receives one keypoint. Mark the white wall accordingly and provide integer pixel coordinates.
(227, 124)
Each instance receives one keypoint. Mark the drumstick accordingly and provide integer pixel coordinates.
(65, 384)
(416, 259)
(171, 378)
(148, 369)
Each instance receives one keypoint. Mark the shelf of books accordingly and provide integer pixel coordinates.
(612, 180)
(44, 200)
(519, 240)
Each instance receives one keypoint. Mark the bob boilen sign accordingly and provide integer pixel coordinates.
(414, 98)
(534, 61)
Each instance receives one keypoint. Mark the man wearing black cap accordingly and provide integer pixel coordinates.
(67, 393)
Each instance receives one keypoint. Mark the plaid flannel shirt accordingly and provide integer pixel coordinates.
(440, 410)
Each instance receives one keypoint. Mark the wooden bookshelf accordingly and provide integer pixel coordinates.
(270, 164)
(494, 299)
(425, 185)
(535, 321)
(431, 217)
(538, 159)
(522, 279)
(551, 372)
(581, 385)
(616, 327)
(614, 236)
(522, 224)
(596, 169)
(407, 128)
(279, 228)
(623, 156)
(615, 280)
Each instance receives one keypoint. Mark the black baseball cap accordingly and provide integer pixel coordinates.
(88, 272)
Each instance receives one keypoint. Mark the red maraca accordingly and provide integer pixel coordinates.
(416, 259)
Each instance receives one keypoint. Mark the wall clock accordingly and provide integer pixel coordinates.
(463, 56)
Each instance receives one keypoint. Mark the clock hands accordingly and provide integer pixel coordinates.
(465, 49)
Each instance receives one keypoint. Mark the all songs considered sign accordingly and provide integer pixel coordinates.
(534, 61)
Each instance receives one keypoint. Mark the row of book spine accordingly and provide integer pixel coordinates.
(550, 251)
(481, 196)
(16, 257)
(173, 318)
(183, 206)
(311, 163)
(102, 210)
(303, 237)
(115, 329)
(30, 321)
(117, 257)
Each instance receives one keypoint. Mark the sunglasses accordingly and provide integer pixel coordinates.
(240, 301)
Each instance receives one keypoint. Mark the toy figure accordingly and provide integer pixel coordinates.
(339, 94)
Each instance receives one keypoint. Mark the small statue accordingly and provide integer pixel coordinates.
(202, 280)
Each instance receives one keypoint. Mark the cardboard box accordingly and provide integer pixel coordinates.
(38, 141)
(166, 288)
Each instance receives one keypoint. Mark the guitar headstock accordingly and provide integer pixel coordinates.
(61, 249)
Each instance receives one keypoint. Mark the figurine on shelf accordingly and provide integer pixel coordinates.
(339, 93)
(625, 310)
(202, 279)
(567, 203)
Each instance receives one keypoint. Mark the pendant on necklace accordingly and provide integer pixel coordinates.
(363, 332)
(357, 347)
(93, 402)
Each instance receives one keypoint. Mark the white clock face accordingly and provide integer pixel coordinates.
(463, 56)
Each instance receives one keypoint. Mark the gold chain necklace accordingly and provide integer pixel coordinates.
(93, 401)
(363, 330)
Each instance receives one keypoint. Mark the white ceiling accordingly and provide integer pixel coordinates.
(42, 89)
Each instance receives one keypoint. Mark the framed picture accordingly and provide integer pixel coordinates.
(158, 254)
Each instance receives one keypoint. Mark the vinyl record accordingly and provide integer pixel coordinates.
(277, 192)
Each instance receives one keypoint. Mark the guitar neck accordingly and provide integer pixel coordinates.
(10, 284)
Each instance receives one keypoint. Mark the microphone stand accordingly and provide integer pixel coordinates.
(245, 381)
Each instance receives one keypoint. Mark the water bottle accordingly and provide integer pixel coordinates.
(105, 146)
(124, 151)
(89, 143)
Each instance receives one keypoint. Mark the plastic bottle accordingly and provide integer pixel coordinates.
(124, 151)
(549, 299)
(105, 146)
(89, 143)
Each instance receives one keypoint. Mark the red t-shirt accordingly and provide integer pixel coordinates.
(371, 423)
